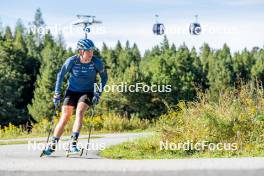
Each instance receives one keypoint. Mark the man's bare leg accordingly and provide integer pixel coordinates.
(80, 110)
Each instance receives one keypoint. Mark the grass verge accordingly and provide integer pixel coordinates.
(149, 148)
(232, 126)
(38, 141)
(108, 123)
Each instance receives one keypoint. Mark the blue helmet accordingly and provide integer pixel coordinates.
(85, 44)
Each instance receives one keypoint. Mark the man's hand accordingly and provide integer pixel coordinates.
(96, 98)
(56, 99)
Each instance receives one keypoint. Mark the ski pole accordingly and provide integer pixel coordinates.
(90, 129)
(51, 127)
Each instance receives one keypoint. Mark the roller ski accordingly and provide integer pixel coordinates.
(73, 150)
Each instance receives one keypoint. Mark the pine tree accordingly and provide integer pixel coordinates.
(118, 48)
(204, 60)
(127, 47)
(8, 34)
(19, 41)
(1, 30)
(136, 54)
(198, 71)
(165, 44)
(38, 20)
(53, 57)
(257, 70)
(220, 74)
(38, 25)
(242, 65)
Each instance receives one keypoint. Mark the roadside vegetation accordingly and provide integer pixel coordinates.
(237, 117)
(108, 123)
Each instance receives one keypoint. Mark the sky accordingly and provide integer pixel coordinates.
(239, 23)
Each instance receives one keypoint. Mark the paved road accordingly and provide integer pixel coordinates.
(23, 161)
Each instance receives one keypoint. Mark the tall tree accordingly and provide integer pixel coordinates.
(220, 74)
(19, 41)
(53, 56)
(8, 36)
(38, 25)
(257, 70)
(38, 19)
(1, 30)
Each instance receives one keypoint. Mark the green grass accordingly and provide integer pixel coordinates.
(148, 148)
(142, 148)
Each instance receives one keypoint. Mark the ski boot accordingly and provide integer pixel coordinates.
(48, 150)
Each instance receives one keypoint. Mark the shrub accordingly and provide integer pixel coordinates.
(11, 130)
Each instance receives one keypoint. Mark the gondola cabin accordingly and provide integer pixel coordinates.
(195, 28)
(158, 29)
